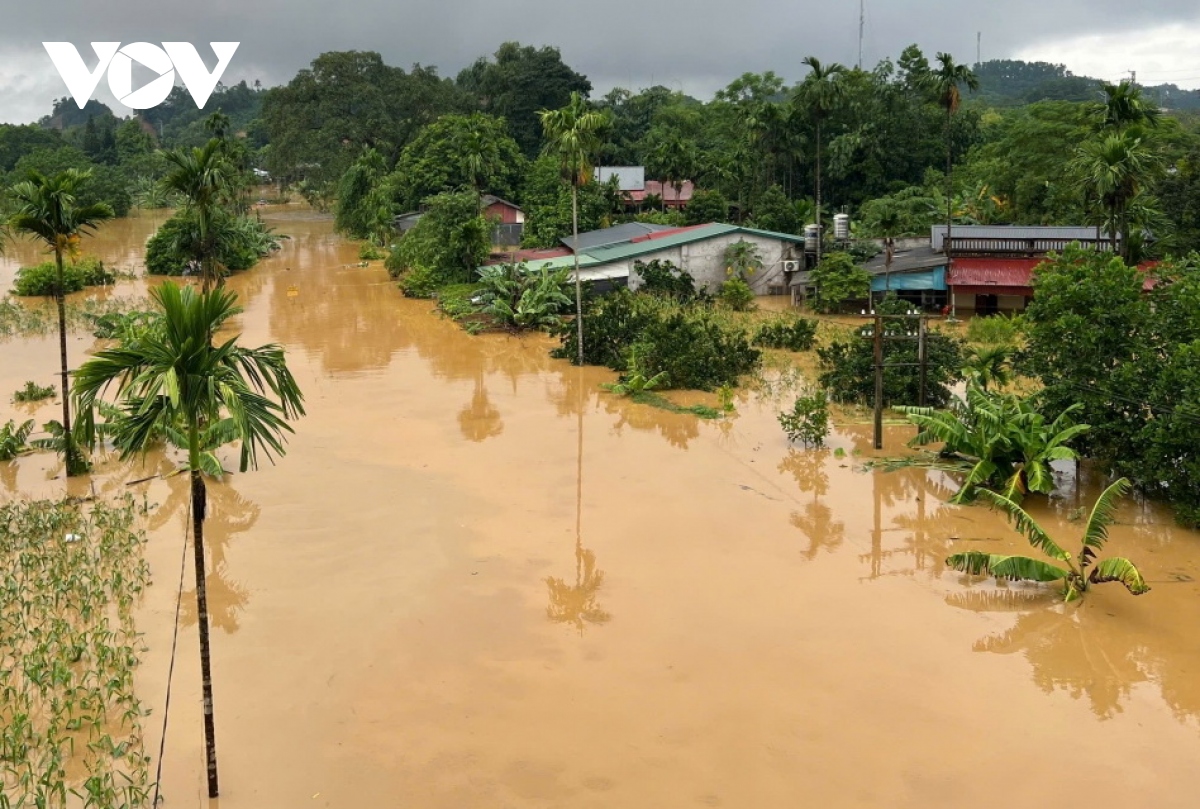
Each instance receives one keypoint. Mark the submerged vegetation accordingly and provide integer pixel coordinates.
(72, 720)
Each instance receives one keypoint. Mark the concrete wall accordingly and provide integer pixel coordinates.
(706, 261)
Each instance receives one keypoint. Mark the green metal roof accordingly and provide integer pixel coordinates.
(619, 252)
(606, 254)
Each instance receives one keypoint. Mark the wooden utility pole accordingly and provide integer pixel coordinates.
(922, 330)
(921, 336)
(878, 381)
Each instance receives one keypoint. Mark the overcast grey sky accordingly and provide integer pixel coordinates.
(693, 45)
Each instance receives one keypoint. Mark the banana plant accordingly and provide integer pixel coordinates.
(1076, 573)
(1009, 441)
(13, 439)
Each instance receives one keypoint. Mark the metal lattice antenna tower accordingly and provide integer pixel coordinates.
(862, 16)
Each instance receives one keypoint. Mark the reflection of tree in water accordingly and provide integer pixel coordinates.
(576, 603)
(677, 428)
(228, 514)
(1072, 649)
(479, 420)
(815, 519)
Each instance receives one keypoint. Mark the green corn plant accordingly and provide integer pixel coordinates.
(1075, 573)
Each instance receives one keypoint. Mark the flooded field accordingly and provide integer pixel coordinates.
(477, 580)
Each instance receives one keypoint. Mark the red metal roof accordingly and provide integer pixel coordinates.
(985, 272)
(1010, 272)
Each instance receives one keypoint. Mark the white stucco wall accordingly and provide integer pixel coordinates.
(706, 263)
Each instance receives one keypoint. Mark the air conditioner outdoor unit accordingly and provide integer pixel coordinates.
(791, 266)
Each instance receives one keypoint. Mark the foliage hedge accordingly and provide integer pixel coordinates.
(42, 278)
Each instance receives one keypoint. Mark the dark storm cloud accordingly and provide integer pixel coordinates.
(694, 45)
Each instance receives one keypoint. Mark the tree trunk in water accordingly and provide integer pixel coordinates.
(819, 233)
(578, 282)
(949, 209)
(199, 497)
(60, 299)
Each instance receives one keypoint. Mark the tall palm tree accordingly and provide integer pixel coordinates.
(821, 92)
(174, 379)
(574, 134)
(45, 208)
(204, 177)
(946, 82)
(1122, 106)
(1118, 166)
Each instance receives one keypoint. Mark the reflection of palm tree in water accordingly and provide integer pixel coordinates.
(479, 420)
(577, 604)
(228, 513)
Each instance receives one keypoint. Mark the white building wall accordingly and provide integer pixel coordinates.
(705, 260)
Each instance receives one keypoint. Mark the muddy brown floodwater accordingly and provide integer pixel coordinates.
(477, 580)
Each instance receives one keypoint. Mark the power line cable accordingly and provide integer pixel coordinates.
(162, 745)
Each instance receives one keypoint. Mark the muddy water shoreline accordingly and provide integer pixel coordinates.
(476, 579)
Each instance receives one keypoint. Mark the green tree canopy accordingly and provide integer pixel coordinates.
(457, 151)
(517, 83)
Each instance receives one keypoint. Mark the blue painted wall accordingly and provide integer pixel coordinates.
(933, 278)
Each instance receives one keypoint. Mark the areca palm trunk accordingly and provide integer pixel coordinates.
(578, 282)
(819, 234)
(949, 209)
(60, 300)
(199, 506)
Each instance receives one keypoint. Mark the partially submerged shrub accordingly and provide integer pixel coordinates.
(791, 334)
(33, 392)
(241, 241)
(42, 279)
(690, 343)
(696, 351)
(848, 370)
(419, 283)
(736, 294)
(808, 420)
(369, 252)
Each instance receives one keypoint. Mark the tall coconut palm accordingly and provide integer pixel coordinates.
(174, 379)
(575, 134)
(1118, 166)
(46, 208)
(203, 176)
(820, 93)
(946, 82)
